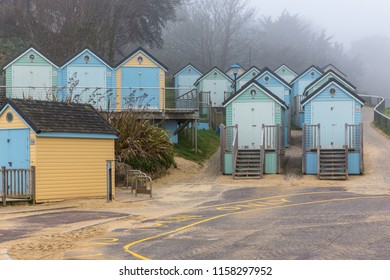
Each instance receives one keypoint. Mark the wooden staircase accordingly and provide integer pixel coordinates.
(249, 164)
(333, 164)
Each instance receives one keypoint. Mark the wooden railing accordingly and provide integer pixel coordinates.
(188, 100)
(310, 142)
(354, 140)
(226, 140)
(17, 184)
(272, 140)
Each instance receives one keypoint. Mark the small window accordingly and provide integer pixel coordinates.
(253, 92)
(283, 70)
(332, 91)
(86, 58)
(189, 70)
(215, 74)
(140, 59)
(9, 117)
(312, 73)
(31, 57)
(266, 79)
(253, 74)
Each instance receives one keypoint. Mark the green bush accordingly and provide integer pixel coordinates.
(140, 144)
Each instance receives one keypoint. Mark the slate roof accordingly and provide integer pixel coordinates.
(254, 82)
(332, 80)
(60, 117)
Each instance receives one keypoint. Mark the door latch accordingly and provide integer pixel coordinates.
(10, 163)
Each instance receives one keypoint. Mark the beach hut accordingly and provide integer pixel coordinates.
(286, 73)
(185, 79)
(332, 131)
(140, 82)
(87, 78)
(329, 74)
(299, 85)
(31, 74)
(251, 141)
(282, 90)
(69, 145)
(335, 69)
(213, 88)
(247, 76)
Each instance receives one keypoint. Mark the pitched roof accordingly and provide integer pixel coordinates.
(60, 117)
(305, 71)
(332, 66)
(24, 51)
(339, 84)
(264, 89)
(182, 69)
(145, 53)
(247, 72)
(66, 62)
(323, 76)
(285, 66)
(212, 69)
(276, 76)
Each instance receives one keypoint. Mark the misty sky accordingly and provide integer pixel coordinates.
(346, 20)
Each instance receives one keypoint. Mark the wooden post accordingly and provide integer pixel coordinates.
(109, 180)
(318, 150)
(304, 148)
(222, 139)
(361, 149)
(196, 136)
(33, 186)
(4, 184)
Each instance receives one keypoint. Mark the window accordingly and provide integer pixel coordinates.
(140, 59)
(31, 57)
(9, 117)
(312, 73)
(253, 92)
(86, 58)
(253, 74)
(332, 91)
(266, 79)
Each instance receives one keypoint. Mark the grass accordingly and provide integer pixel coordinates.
(386, 111)
(208, 144)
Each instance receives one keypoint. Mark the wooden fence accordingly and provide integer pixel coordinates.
(17, 185)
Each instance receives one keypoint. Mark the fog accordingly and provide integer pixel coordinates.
(363, 27)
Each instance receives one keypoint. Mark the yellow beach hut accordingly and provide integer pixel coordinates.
(70, 147)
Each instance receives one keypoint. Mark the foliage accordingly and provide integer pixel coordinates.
(63, 27)
(140, 144)
(208, 144)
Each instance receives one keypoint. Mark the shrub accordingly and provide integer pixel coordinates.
(140, 144)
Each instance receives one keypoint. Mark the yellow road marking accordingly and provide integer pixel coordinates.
(128, 246)
(106, 240)
(264, 198)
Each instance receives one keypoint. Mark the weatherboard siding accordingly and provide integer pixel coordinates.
(133, 63)
(72, 168)
(25, 61)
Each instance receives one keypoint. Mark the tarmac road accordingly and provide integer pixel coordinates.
(314, 224)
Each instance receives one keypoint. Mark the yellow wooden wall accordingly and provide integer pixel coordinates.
(133, 62)
(72, 168)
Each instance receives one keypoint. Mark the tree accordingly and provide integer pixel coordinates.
(208, 33)
(63, 27)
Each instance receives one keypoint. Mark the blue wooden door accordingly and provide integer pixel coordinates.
(14, 151)
(140, 87)
(332, 116)
(14, 148)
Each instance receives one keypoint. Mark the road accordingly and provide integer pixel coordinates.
(207, 216)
